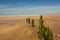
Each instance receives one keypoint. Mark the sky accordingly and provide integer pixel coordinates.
(29, 7)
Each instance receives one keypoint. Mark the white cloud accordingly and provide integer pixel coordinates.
(30, 10)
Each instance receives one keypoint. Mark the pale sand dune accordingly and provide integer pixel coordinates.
(21, 30)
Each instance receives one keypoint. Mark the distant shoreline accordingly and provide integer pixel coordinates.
(30, 15)
(19, 15)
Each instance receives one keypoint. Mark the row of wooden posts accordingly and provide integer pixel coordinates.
(30, 21)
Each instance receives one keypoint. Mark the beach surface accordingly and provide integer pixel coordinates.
(16, 27)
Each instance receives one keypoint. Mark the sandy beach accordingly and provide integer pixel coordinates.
(16, 28)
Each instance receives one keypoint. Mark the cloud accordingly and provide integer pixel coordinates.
(3, 6)
(30, 10)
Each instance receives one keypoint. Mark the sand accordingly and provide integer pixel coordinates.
(20, 30)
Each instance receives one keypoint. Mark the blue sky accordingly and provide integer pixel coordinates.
(29, 7)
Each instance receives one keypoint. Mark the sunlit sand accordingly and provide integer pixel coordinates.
(20, 30)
